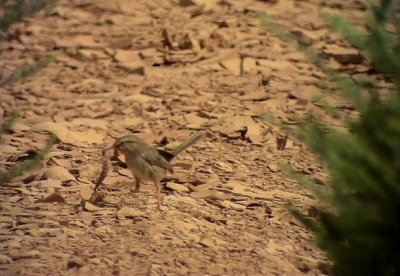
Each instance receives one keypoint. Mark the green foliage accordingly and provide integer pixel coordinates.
(360, 227)
(6, 125)
(282, 34)
(19, 9)
(25, 71)
(27, 165)
(380, 46)
(360, 231)
(16, 11)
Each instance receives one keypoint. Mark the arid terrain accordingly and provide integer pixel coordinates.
(165, 69)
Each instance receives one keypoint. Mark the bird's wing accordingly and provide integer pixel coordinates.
(154, 158)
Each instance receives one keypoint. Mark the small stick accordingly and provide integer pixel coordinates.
(105, 168)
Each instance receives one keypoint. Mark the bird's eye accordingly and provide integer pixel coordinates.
(119, 144)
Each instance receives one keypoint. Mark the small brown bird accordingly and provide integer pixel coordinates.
(148, 163)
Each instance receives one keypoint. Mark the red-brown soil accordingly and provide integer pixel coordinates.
(166, 69)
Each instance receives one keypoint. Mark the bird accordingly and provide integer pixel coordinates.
(148, 163)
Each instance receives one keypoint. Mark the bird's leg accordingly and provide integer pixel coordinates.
(138, 181)
(158, 195)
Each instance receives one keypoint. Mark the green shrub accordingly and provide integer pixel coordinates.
(19, 169)
(25, 71)
(19, 9)
(15, 11)
(360, 228)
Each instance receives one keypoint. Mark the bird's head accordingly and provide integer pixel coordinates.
(125, 141)
(126, 144)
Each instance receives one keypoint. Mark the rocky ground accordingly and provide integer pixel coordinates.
(165, 69)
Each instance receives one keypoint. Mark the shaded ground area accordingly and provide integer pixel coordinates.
(165, 69)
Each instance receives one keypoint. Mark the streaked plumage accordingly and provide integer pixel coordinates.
(148, 163)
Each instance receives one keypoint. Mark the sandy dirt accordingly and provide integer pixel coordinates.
(165, 69)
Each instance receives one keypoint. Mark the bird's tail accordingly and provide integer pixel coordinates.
(188, 142)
